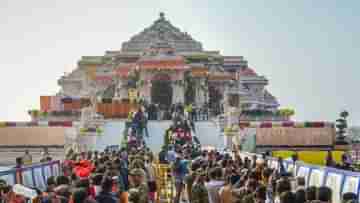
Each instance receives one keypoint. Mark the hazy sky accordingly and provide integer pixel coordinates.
(309, 50)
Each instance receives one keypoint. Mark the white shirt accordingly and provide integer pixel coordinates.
(213, 188)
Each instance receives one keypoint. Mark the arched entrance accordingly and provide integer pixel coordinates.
(161, 90)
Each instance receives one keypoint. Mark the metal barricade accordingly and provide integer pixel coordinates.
(165, 183)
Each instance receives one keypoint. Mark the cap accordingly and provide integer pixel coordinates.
(137, 172)
(2, 182)
(200, 172)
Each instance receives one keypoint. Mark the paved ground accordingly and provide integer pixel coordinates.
(8, 155)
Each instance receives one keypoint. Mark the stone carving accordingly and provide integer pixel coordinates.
(161, 30)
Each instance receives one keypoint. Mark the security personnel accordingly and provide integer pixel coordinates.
(199, 193)
(138, 192)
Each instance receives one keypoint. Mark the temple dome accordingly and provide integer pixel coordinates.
(162, 30)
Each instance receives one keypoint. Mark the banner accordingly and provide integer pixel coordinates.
(31, 176)
(316, 177)
(292, 137)
(351, 184)
(334, 181)
(24, 191)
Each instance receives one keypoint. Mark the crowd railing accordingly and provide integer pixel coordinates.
(32, 176)
(340, 181)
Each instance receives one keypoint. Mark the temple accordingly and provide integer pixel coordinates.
(162, 66)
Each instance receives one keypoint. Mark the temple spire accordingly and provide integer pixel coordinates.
(162, 15)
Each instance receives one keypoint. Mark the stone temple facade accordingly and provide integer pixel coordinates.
(164, 65)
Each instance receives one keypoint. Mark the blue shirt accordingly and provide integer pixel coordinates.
(171, 156)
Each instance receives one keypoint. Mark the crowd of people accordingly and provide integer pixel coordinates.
(161, 112)
(130, 173)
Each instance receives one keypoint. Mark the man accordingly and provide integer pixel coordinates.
(190, 178)
(215, 184)
(138, 193)
(199, 193)
(19, 162)
(45, 156)
(162, 155)
(300, 189)
(105, 195)
(179, 171)
(171, 155)
(27, 158)
(225, 192)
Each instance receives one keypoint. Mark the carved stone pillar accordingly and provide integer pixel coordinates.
(178, 94)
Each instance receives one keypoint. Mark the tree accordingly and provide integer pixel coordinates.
(341, 127)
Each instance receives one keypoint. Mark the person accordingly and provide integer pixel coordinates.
(151, 176)
(190, 179)
(329, 160)
(226, 191)
(97, 183)
(347, 161)
(260, 194)
(179, 171)
(310, 193)
(171, 155)
(324, 194)
(45, 155)
(199, 193)
(214, 185)
(27, 158)
(287, 197)
(138, 193)
(282, 170)
(62, 194)
(106, 196)
(18, 162)
(162, 155)
(300, 190)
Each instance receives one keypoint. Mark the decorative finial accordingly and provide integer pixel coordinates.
(162, 15)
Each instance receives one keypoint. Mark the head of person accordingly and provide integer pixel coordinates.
(266, 173)
(137, 176)
(107, 184)
(212, 174)
(251, 185)
(51, 184)
(19, 161)
(260, 194)
(26, 151)
(300, 181)
(287, 197)
(324, 194)
(283, 185)
(97, 179)
(62, 180)
(346, 197)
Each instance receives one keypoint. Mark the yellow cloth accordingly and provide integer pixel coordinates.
(27, 159)
(311, 157)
